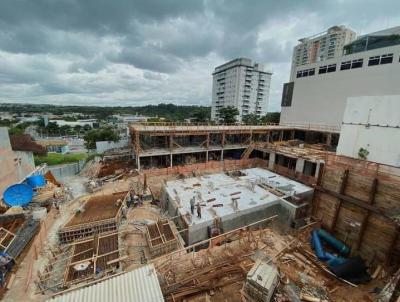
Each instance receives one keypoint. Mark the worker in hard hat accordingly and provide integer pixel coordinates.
(198, 210)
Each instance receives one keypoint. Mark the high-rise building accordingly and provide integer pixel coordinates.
(241, 84)
(320, 47)
(317, 92)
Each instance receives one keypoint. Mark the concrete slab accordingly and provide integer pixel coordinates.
(235, 200)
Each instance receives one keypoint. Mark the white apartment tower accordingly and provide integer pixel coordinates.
(320, 47)
(241, 84)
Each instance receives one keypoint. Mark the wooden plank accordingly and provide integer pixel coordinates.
(339, 205)
(356, 202)
(367, 214)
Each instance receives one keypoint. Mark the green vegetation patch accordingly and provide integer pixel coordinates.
(58, 159)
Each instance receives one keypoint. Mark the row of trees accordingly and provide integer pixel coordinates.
(169, 112)
(102, 134)
(228, 115)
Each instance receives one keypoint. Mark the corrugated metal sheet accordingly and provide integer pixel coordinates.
(138, 285)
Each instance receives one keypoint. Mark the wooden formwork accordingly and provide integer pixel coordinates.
(70, 234)
(359, 202)
(161, 238)
(6, 238)
(99, 255)
(100, 214)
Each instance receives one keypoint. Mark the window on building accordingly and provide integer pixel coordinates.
(357, 63)
(345, 65)
(331, 68)
(322, 69)
(305, 73)
(374, 61)
(287, 94)
(387, 59)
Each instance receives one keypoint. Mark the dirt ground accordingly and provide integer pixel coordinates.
(283, 249)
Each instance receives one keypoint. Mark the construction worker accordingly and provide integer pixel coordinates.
(192, 203)
(198, 210)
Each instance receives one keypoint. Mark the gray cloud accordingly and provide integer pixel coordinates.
(138, 52)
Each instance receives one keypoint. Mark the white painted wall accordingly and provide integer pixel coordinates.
(321, 99)
(372, 123)
(108, 145)
(14, 165)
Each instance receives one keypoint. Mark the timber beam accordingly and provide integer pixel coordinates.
(356, 202)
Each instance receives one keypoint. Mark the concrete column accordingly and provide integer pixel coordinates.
(271, 161)
(317, 169)
(170, 160)
(329, 139)
(281, 136)
(292, 133)
(207, 156)
(222, 154)
(138, 162)
(300, 165)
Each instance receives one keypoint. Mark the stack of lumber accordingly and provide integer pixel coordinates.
(204, 279)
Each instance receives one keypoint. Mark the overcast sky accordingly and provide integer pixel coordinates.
(125, 52)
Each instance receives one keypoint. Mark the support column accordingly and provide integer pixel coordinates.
(138, 162)
(207, 156)
(271, 162)
(171, 142)
(317, 169)
(292, 134)
(170, 160)
(222, 146)
(329, 139)
(281, 135)
(300, 162)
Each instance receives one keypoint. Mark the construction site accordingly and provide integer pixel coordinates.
(212, 213)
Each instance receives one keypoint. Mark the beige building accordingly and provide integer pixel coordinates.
(320, 47)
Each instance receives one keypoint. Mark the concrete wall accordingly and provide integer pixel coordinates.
(66, 170)
(321, 98)
(108, 145)
(372, 123)
(15, 165)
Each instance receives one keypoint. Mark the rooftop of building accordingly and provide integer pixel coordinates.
(140, 284)
(379, 39)
(24, 142)
(253, 188)
(241, 62)
(320, 34)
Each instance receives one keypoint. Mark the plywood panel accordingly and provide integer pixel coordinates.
(377, 239)
(359, 186)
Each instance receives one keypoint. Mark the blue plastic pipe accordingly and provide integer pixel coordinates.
(333, 242)
(317, 245)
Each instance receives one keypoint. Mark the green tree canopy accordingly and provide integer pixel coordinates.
(271, 117)
(227, 115)
(201, 114)
(251, 119)
(103, 134)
